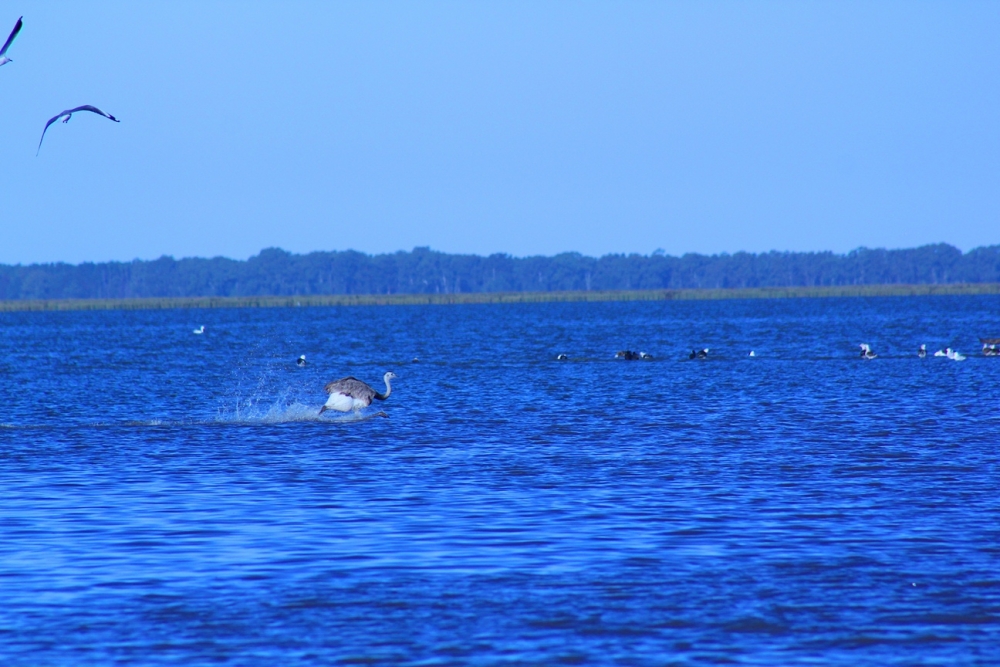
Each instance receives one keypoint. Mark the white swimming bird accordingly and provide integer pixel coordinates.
(943, 353)
(954, 355)
(350, 393)
(866, 351)
(67, 114)
(199, 330)
(6, 45)
(752, 354)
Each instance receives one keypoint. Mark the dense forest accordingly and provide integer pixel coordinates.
(276, 272)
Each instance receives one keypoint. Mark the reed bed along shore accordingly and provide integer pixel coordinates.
(499, 297)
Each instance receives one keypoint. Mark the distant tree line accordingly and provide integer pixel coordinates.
(276, 272)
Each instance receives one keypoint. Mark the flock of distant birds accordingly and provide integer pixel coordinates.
(64, 115)
(991, 348)
(350, 394)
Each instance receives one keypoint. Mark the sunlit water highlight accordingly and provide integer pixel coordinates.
(172, 498)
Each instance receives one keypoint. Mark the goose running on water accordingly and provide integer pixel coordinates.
(350, 393)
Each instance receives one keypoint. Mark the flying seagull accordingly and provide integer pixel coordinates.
(66, 115)
(13, 33)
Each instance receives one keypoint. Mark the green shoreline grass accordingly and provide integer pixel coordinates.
(499, 297)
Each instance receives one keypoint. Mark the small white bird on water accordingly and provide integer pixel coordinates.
(199, 330)
(67, 114)
(350, 393)
(6, 45)
(954, 355)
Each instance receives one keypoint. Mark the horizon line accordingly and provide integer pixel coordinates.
(659, 252)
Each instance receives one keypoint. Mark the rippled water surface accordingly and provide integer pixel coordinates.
(170, 498)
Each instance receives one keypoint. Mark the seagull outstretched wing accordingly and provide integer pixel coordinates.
(13, 34)
(88, 107)
(69, 112)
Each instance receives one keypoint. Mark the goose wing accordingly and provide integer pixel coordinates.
(350, 386)
(13, 34)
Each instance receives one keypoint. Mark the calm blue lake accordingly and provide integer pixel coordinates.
(171, 498)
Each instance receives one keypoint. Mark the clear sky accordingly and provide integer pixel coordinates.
(482, 127)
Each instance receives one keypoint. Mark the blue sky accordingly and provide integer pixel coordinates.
(517, 127)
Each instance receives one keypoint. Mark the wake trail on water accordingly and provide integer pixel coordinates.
(282, 413)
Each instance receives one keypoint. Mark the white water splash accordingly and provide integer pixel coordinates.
(281, 412)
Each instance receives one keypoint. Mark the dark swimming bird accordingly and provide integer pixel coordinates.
(67, 114)
(301, 361)
(699, 354)
(6, 45)
(991, 347)
(350, 393)
(922, 352)
(627, 354)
